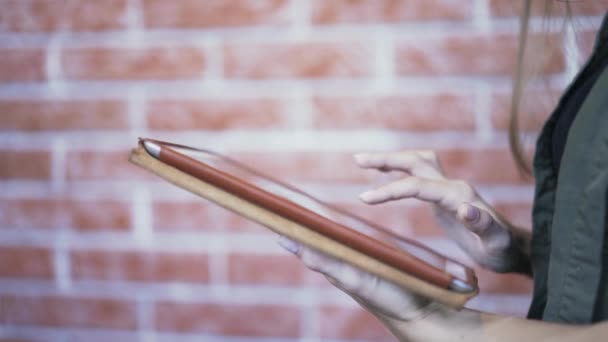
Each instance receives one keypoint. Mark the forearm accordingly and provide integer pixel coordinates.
(469, 325)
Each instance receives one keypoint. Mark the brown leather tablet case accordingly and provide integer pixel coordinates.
(304, 218)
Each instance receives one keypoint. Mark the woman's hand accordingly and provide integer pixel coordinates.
(413, 318)
(465, 217)
(388, 302)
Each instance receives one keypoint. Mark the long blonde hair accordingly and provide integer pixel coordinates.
(523, 72)
(514, 135)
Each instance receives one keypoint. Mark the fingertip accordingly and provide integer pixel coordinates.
(289, 245)
(369, 197)
(361, 158)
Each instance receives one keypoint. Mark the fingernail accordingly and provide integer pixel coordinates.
(367, 196)
(472, 214)
(290, 245)
(360, 157)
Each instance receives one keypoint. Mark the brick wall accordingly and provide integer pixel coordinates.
(93, 249)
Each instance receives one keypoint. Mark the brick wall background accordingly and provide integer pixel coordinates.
(93, 249)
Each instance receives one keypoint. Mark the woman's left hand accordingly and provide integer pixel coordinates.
(390, 303)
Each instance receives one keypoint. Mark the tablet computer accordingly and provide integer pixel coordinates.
(298, 215)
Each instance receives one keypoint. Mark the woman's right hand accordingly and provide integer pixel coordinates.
(465, 217)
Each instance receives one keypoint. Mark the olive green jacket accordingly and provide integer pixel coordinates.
(569, 252)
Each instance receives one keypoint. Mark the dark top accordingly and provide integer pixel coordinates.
(569, 248)
(573, 101)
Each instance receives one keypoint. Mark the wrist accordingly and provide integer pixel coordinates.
(437, 323)
(519, 252)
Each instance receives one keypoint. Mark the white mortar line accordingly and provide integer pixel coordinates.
(58, 169)
(249, 88)
(262, 141)
(145, 316)
(300, 16)
(483, 114)
(310, 323)
(53, 67)
(298, 109)
(272, 32)
(160, 191)
(214, 61)
(481, 15)
(384, 62)
(572, 54)
(137, 111)
(61, 261)
(134, 21)
(142, 216)
(182, 292)
(218, 264)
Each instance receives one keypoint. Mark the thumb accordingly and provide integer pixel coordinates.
(476, 220)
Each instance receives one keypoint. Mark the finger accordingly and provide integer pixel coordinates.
(381, 296)
(428, 190)
(288, 244)
(368, 289)
(339, 273)
(417, 163)
(312, 259)
(477, 220)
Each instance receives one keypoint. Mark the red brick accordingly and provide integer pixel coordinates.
(406, 220)
(399, 217)
(25, 164)
(68, 312)
(197, 216)
(297, 60)
(351, 324)
(60, 213)
(486, 166)
(163, 63)
(502, 8)
(22, 65)
(69, 15)
(308, 166)
(470, 55)
(26, 262)
(494, 283)
(140, 266)
(412, 113)
(519, 214)
(187, 14)
(284, 270)
(377, 11)
(228, 319)
(103, 165)
(215, 114)
(60, 115)
(479, 165)
(422, 221)
(586, 42)
(535, 108)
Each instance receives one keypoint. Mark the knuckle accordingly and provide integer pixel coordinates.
(411, 156)
(428, 155)
(464, 189)
(312, 261)
(367, 285)
(354, 281)
(410, 182)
